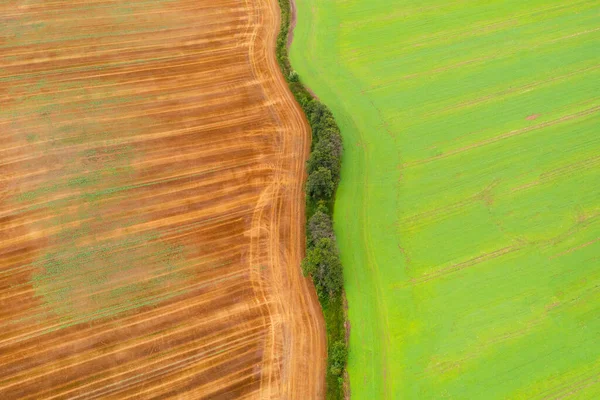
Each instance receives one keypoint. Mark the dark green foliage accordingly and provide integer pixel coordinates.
(321, 119)
(331, 138)
(322, 260)
(320, 226)
(338, 354)
(327, 154)
(320, 184)
(335, 320)
(319, 113)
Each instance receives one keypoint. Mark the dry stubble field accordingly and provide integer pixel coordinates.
(151, 204)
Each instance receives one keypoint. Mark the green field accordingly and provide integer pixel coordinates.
(468, 215)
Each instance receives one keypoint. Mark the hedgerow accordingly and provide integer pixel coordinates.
(322, 262)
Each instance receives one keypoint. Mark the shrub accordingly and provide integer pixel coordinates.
(332, 139)
(323, 264)
(293, 77)
(320, 226)
(320, 118)
(320, 185)
(319, 112)
(327, 154)
(338, 353)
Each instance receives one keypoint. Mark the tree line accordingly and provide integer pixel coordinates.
(322, 260)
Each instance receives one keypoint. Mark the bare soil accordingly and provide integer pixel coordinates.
(152, 205)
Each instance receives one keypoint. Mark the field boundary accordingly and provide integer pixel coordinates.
(325, 156)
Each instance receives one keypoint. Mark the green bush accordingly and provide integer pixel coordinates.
(327, 154)
(323, 264)
(320, 185)
(326, 149)
(338, 354)
(320, 226)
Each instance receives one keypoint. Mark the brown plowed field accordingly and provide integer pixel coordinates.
(151, 204)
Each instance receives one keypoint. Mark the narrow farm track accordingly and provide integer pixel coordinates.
(151, 205)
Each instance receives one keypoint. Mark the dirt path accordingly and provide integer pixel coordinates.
(293, 19)
(151, 206)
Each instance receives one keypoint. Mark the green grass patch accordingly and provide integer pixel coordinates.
(468, 212)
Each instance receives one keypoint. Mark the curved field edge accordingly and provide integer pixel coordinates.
(333, 305)
(151, 205)
(531, 245)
